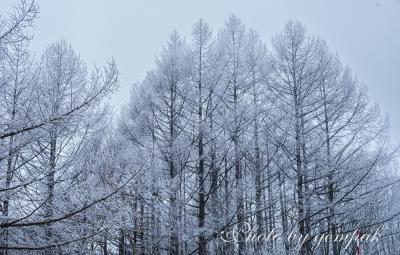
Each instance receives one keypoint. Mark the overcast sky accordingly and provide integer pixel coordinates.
(365, 33)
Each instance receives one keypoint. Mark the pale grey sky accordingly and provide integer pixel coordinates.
(365, 33)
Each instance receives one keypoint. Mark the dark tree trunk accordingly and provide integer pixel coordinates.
(50, 191)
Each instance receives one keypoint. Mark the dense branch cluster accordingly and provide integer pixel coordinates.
(224, 141)
(280, 140)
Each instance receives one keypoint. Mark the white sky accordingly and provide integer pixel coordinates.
(365, 33)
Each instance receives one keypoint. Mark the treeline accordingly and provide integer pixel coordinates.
(224, 138)
(283, 138)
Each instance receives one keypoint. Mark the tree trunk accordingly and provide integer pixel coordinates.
(121, 242)
(50, 190)
(9, 174)
(282, 203)
(214, 183)
(257, 172)
(202, 244)
(330, 191)
(105, 244)
(174, 241)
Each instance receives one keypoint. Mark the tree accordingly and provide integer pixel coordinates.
(19, 76)
(41, 164)
(233, 39)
